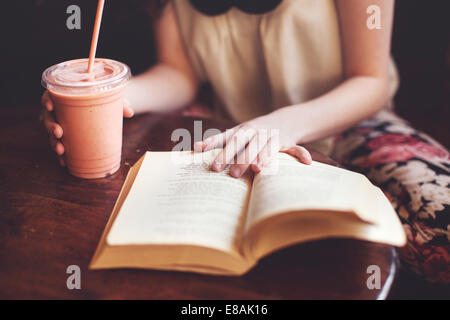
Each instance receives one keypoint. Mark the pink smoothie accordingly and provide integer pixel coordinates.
(89, 107)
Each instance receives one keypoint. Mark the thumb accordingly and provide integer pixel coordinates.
(127, 110)
(300, 153)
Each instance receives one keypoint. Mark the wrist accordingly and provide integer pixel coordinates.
(292, 123)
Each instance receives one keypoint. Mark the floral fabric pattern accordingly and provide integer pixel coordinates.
(414, 171)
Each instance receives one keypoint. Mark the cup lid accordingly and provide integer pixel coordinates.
(72, 77)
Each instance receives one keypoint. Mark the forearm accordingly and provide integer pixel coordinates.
(160, 89)
(354, 100)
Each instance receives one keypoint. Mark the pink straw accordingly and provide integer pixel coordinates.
(98, 19)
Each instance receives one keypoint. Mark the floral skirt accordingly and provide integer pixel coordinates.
(414, 171)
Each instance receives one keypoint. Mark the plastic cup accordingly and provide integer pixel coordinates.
(89, 108)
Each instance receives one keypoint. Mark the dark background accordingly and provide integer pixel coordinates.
(35, 36)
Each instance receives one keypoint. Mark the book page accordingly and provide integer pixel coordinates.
(293, 186)
(176, 199)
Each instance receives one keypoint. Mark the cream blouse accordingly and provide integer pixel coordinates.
(257, 63)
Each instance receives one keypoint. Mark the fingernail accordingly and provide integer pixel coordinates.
(217, 166)
(235, 172)
(256, 167)
(59, 149)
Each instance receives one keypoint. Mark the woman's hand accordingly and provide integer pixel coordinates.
(55, 131)
(253, 144)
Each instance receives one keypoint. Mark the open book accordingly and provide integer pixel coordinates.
(173, 213)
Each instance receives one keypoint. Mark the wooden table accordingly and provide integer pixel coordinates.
(50, 220)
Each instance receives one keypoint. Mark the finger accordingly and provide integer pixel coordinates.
(249, 155)
(210, 143)
(51, 126)
(266, 155)
(233, 146)
(255, 168)
(215, 141)
(46, 101)
(128, 112)
(300, 153)
(56, 145)
(48, 119)
(62, 162)
(57, 131)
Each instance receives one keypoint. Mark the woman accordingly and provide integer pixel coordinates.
(314, 73)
